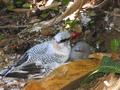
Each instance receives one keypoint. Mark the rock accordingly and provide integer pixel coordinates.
(11, 83)
(1, 88)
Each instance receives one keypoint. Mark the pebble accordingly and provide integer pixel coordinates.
(1, 88)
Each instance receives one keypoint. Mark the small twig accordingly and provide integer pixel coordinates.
(50, 6)
(89, 5)
(113, 14)
(13, 26)
(77, 4)
(49, 2)
(27, 11)
(101, 4)
(34, 1)
(21, 10)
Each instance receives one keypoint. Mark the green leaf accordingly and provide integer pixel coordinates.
(65, 2)
(27, 5)
(109, 66)
(44, 14)
(115, 45)
(12, 17)
(10, 7)
(89, 79)
(2, 36)
(71, 23)
(18, 3)
(91, 13)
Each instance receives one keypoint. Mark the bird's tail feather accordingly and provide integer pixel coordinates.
(6, 71)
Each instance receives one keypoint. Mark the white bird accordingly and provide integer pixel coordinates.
(81, 50)
(42, 58)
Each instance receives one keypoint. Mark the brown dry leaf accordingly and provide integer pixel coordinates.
(114, 56)
(63, 76)
(77, 28)
(114, 84)
(66, 76)
(47, 31)
(109, 82)
(3, 42)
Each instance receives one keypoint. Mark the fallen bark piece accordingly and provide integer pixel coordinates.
(65, 77)
(68, 76)
(109, 82)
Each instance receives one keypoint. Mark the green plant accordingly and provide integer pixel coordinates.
(65, 2)
(27, 5)
(18, 3)
(44, 14)
(71, 23)
(2, 36)
(109, 66)
(115, 45)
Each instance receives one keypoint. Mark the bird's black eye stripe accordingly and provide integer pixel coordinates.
(64, 40)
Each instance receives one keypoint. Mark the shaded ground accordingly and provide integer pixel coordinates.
(13, 43)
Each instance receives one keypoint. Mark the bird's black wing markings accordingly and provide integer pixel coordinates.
(29, 69)
(17, 75)
(23, 59)
(34, 51)
(10, 68)
(32, 68)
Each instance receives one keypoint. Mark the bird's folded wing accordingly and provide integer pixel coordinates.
(23, 59)
(32, 68)
(23, 72)
(39, 48)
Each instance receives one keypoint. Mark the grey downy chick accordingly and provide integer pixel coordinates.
(41, 58)
(81, 50)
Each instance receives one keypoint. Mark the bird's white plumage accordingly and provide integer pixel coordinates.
(48, 55)
(62, 35)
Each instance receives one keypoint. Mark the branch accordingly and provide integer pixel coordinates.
(50, 6)
(89, 5)
(13, 26)
(76, 5)
(101, 4)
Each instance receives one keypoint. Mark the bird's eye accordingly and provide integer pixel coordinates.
(64, 40)
(79, 51)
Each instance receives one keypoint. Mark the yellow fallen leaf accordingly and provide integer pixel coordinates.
(64, 75)
(114, 56)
